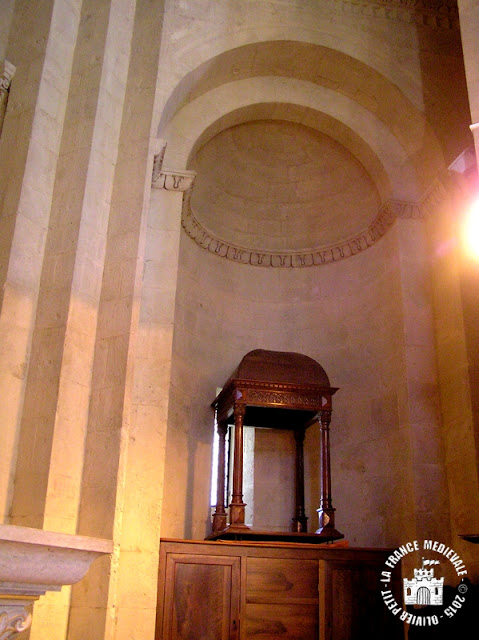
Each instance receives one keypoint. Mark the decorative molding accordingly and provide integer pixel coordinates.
(13, 621)
(433, 199)
(8, 73)
(431, 13)
(5, 80)
(173, 180)
(165, 178)
(288, 387)
(274, 397)
(33, 561)
(306, 258)
(158, 148)
(406, 210)
(317, 256)
(423, 209)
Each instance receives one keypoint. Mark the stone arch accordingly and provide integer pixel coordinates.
(326, 85)
(411, 171)
(307, 54)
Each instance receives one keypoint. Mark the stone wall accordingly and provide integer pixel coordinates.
(6, 13)
(350, 317)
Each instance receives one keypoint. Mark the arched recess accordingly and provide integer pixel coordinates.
(308, 117)
(399, 151)
(412, 162)
(318, 79)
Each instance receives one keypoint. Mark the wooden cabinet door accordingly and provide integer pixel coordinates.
(201, 598)
(350, 602)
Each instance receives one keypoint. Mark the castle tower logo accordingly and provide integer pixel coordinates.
(424, 588)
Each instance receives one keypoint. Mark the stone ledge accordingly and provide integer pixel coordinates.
(37, 557)
(33, 561)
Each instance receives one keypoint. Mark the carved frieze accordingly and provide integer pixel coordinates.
(8, 73)
(159, 150)
(173, 180)
(5, 80)
(183, 181)
(309, 257)
(165, 178)
(431, 13)
(262, 396)
(419, 211)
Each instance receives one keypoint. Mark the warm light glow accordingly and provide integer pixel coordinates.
(471, 230)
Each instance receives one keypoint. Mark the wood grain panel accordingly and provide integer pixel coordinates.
(351, 603)
(281, 622)
(201, 598)
(281, 579)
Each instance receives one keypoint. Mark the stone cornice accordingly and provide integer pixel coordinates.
(158, 148)
(431, 13)
(8, 73)
(316, 256)
(173, 180)
(5, 81)
(32, 562)
(165, 178)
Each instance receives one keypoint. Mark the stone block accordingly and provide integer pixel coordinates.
(136, 623)
(97, 509)
(87, 621)
(52, 606)
(114, 318)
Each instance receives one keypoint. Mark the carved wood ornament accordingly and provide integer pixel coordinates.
(273, 389)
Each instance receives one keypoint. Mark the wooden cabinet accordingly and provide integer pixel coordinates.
(277, 591)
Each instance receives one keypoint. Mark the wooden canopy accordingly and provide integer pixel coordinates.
(273, 389)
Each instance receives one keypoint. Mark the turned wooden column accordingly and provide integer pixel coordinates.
(237, 506)
(325, 511)
(219, 517)
(300, 521)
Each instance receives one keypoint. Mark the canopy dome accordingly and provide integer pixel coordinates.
(282, 367)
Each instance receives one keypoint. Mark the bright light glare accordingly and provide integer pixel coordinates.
(471, 230)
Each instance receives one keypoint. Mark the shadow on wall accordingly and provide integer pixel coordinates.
(190, 486)
(193, 500)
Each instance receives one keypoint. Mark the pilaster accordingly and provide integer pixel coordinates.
(420, 416)
(41, 47)
(455, 338)
(123, 468)
(469, 22)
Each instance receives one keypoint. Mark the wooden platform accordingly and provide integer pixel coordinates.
(250, 535)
